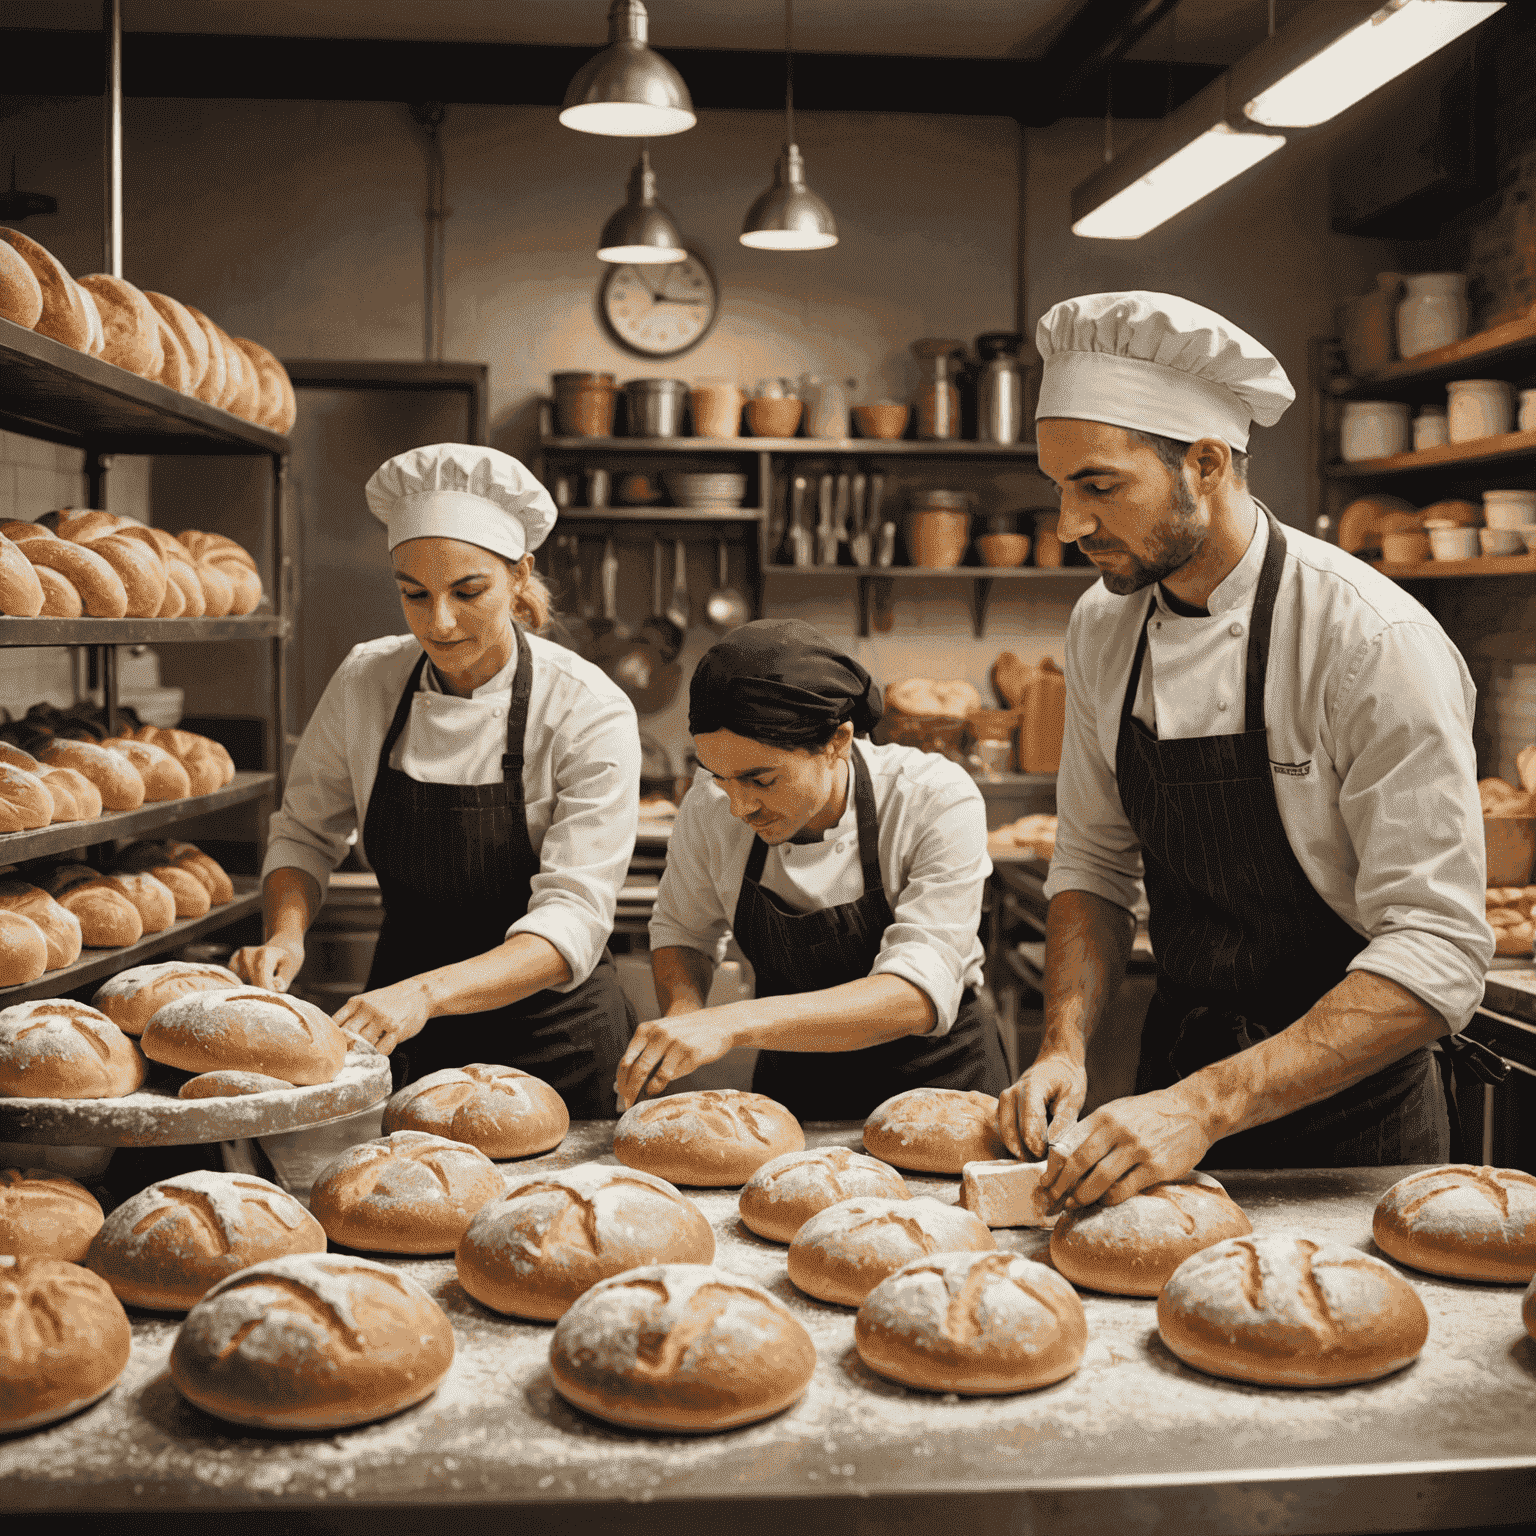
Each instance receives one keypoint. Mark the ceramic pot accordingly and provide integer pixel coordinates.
(1479, 408)
(774, 418)
(1367, 326)
(937, 538)
(1373, 429)
(716, 406)
(885, 419)
(1434, 314)
(1527, 418)
(584, 404)
(1453, 543)
(1408, 548)
(1509, 509)
(1000, 549)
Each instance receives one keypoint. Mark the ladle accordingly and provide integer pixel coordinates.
(726, 609)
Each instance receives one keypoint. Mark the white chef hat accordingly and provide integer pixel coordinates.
(1154, 362)
(459, 491)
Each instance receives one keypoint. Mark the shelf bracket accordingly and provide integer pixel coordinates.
(883, 591)
(863, 584)
(981, 592)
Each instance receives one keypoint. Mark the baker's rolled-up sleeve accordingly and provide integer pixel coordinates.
(688, 913)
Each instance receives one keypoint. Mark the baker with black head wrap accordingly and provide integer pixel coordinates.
(850, 875)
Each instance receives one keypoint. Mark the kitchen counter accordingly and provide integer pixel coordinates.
(1134, 1441)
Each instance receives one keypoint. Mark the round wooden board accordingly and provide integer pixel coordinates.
(155, 1117)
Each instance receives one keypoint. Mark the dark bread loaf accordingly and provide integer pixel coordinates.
(133, 997)
(934, 1130)
(247, 1029)
(43, 1215)
(715, 1137)
(1466, 1222)
(787, 1191)
(59, 1049)
(503, 1111)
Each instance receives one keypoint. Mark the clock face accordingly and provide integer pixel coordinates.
(661, 310)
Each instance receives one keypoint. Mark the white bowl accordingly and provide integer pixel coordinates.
(1453, 543)
(1501, 541)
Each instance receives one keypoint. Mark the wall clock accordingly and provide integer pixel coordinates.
(660, 310)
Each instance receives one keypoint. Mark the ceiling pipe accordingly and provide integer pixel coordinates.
(1099, 33)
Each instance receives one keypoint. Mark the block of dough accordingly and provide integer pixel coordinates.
(712, 1137)
(1131, 1249)
(503, 1111)
(21, 295)
(121, 786)
(67, 1340)
(131, 334)
(43, 1215)
(787, 1191)
(101, 589)
(229, 1085)
(73, 796)
(934, 1130)
(25, 803)
(62, 315)
(977, 1323)
(312, 1342)
(23, 950)
(842, 1253)
(407, 1192)
(108, 919)
(61, 928)
(133, 997)
(1005, 1193)
(680, 1347)
(55, 1048)
(1462, 1221)
(1287, 1311)
(247, 1029)
(191, 337)
(167, 1245)
(21, 589)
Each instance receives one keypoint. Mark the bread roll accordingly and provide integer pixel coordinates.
(131, 331)
(717, 1136)
(188, 856)
(175, 371)
(787, 1191)
(233, 562)
(108, 919)
(312, 1342)
(60, 926)
(552, 1236)
(244, 390)
(190, 336)
(214, 384)
(72, 795)
(21, 295)
(100, 587)
(20, 531)
(23, 950)
(163, 775)
(61, 597)
(229, 1085)
(404, 1193)
(191, 895)
(934, 1130)
(182, 574)
(25, 803)
(680, 1347)
(1005, 1193)
(842, 1253)
(121, 786)
(43, 1215)
(133, 997)
(1290, 1312)
(21, 591)
(17, 758)
(174, 605)
(156, 906)
(977, 1323)
(207, 763)
(62, 315)
(247, 1030)
(215, 546)
(163, 1248)
(1465, 1222)
(269, 392)
(67, 1340)
(96, 336)
(58, 1049)
(82, 524)
(140, 569)
(501, 1110)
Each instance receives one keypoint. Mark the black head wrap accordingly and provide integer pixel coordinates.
(780, 682)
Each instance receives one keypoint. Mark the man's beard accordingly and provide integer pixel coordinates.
(1175, 545)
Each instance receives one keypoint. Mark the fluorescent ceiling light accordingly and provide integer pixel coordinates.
(1383, 46)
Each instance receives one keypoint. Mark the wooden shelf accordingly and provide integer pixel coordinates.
(1481, 565)
(938, 572)
(1504, 351)
(662, 515)
(1480, 450)
(254, 626)
(857, 447)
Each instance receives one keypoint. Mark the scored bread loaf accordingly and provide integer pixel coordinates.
(246, 1029)
(977, 1323)
(715, 1136)
(163, 775)
(23, 950)
(192, 898)
(176, 370)
(202, 867)
(96, 335)
(684, 1347)
(60, 926)
(934, 1130)
(131, 334)
(166, 1245)
(1466, 1222)
(208, 764)
(1005, 1193)
(552, 1236)
(120, 783)
(61, 597)
(63, 314)
(502, 1110)
(214, 384)
(133, 997)
(43, 1215)
(21, 591)
(73, 796)
(140, 567)
(232, 560)
(21, 295)
(229, 1085)
(312, 1342)
(276, 407)
(25, 803)
(108, 919)
(787, 1191)
(407, 1192)
(101, 589)
(1287, 1311)
(155, 904)
(190, 336)
(55, 1048)
(244, 390)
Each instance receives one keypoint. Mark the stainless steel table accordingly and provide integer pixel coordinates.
(1133, 1442)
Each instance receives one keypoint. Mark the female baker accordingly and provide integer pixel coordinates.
(851, 876)
(495, 777)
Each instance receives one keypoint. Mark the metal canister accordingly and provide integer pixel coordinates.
(999, 388)
(655, 407)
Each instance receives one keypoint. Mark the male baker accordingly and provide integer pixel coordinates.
(1276, 740)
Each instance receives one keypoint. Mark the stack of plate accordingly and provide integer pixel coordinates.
(706, 492)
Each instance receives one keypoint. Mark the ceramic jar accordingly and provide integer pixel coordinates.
(826, 407)
(1479, 408)
(1367, 325)
(716, 406)
(1527, 418)
(1430, 428)
(1509, 509)
(584, 404)
(1373, 429)
(938, 528)
(1434, 314)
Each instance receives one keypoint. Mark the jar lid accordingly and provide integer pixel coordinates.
(1501, 385)
(957, 500)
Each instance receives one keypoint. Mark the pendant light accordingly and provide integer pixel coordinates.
(642, 231)
(789, 216)
(627, 91)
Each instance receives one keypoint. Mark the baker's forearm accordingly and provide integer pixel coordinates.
(682, 977)
(850, 1017)
(1087, 944)
(525, 964)
(290, 899)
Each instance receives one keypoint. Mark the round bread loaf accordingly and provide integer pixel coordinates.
(1131, 1249)
(61, 928)
(191, 895)
(21, 295)
(213, 387)
(23, 950)
(978, 1323)
(64, 1340)
(269, 393)
(25, 803)
(1462, 1221)
(163, 1248)
(155, 904)
(229, 1085)
(786, 1192)
(553, 1236)
(73, 795)
(233, 560)
(101, 589)
(55, 1048)
(43, 1215)
(108, 919)
(247, 1029)
(191, 337)
(1286, 1311)
(177, 370)
(842, 1253)
(312, 1342)
(96, 338)
(407, 1192)
(140, 568)
(63, 315)
(680, 1347)
(131, 333)
(118, 780)
(164, 777)
(934, 1130)
(501, 1110)
(713, 1137)
(21, 590)
(133, 997)
(191, 858)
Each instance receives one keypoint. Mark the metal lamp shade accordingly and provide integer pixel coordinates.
(642, 231)
(628, 91)
(789, 216)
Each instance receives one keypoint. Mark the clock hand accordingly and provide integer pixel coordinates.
(664, 298)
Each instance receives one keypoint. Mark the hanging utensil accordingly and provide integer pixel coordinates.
(612, 634)
(860, 544)
(826, 534)
(726, 608)
(800, 546)
(840, 515)
(679, 610)
(659, 629)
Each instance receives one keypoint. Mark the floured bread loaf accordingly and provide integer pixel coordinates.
(247, 1029)
(1132, 1248)
(714, 1137)
(164, 777)
(58, 1049)
(1465, 1222)
(153, 901)
(132, 336)
(23, 950)
(73, 795)
(934, 1130)
(553, 1236)
(1290, 1312)
(61, 928)
(312, 1342)
(407, 1192)
(979, 1323)
(133, 997)
(680, 1347)
(1005, 1193)
(229, 1085)
(108, 919)
(163, 1248)
(43, 1215)
(785, 1193)
(21, 588)
(122, 789)
(25, 803)
(501, 1110)
(64, 1340)
(842, 1253)
(189, 856)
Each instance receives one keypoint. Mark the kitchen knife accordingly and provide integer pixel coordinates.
(826, 534)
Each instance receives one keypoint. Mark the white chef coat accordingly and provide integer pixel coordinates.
(1369, 711)
(933, 865)
(581, 777)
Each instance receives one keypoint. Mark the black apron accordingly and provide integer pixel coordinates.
(1244, 944)
(793, 952)
(455, 867)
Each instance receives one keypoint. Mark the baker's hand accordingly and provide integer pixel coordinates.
(272, 965)
(1125, 1146)
(386, 1017)
(664, 1050)
(1053, 1089)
